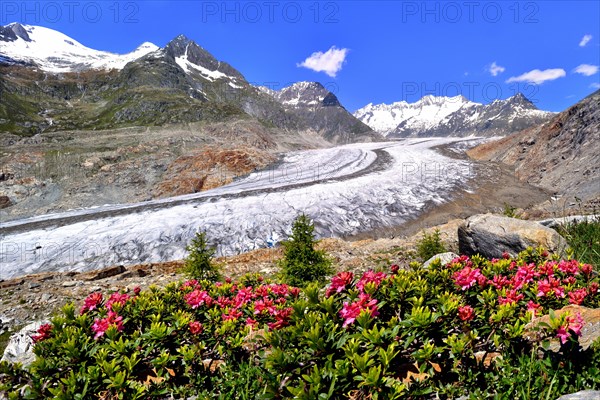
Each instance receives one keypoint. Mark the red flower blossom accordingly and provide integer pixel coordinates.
(573, 324)
(569, 266)
(198, 297)
(192, 283)
(466, 313)
(395, 268)
(550, 285)
(370, 277)
(91, 302)
(117, 298)
(295, 292)
(505, 255)
(524, 275)
(44, 332)
(196, 328)
(231, 315)
(351, 311)
(511, 297)
(467, 277)
(593, 289)
(339, 282)
(587, 269)
(281, 318)
(577, 296)
(533, 307)
(101, 325)
(137, 290)
(500, 281)
(251, 322)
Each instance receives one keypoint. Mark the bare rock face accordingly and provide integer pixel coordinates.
(491, 235)
(20, 345)
(561, 155)
(582, 395)
(444, 258)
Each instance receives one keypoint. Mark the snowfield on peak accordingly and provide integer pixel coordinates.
(55, 52)
(452, 116)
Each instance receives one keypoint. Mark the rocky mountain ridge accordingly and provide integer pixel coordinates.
(561, 155)
(50, 83)
(452, 116)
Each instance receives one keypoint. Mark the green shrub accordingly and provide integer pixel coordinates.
(301, 262)
(199, 261)
(411, 334)
(510, 211)
(584, 239)
(430, 245)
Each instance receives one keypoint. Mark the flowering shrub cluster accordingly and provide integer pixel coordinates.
(447, 330)
(162, 342)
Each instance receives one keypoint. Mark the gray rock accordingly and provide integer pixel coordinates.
(491, 235)
(445, 258)
(582, 395)
(573, 219)
(69, 283)
(20, 345)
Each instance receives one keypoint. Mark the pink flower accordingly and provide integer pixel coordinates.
(351, 311)
(117, 298)
(44, 332)
(295, 292)
(264, 305)
(562, 334)
(577, 296)
(189, 284)
(196, 327)
(91, 302)
(524, 275)
(500, 281)
(573, 324)
(197, 297)
(232, 315)
(467, 277)
(550, 285)
(533, 307)
(370, 277)
(281, 318)
(587, 269)
(505, 255)
(137, 290)
(593, 289)
(251, 322)
(511, 297)
(339, 282)
(101, 325)
(569, 266)
(466, 313)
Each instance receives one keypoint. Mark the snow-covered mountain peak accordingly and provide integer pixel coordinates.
(53, 51)
(450, 116)
(303, 94)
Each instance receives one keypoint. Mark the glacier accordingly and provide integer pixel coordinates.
(346, 190)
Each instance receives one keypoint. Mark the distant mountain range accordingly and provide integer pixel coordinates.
(50, 82)
(561, 155)
(452, 116)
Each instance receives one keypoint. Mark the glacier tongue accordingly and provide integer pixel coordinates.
(346, 190)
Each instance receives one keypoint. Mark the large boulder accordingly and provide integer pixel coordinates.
(491, 235)
(20, 345)
(444, 258)
(582, 395)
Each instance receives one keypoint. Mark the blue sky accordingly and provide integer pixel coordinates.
(376, 51)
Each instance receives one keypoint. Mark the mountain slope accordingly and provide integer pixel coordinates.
(49, 82)
(562, 155)
(452, 116)
(320, 111)
(55, 52)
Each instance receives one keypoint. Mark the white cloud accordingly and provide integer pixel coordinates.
(329, 62)
(496, 69)
(536, 76)
(595, 85)
(586, 69)
(584, 40)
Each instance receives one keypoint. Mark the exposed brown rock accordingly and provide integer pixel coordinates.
(5, 202)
